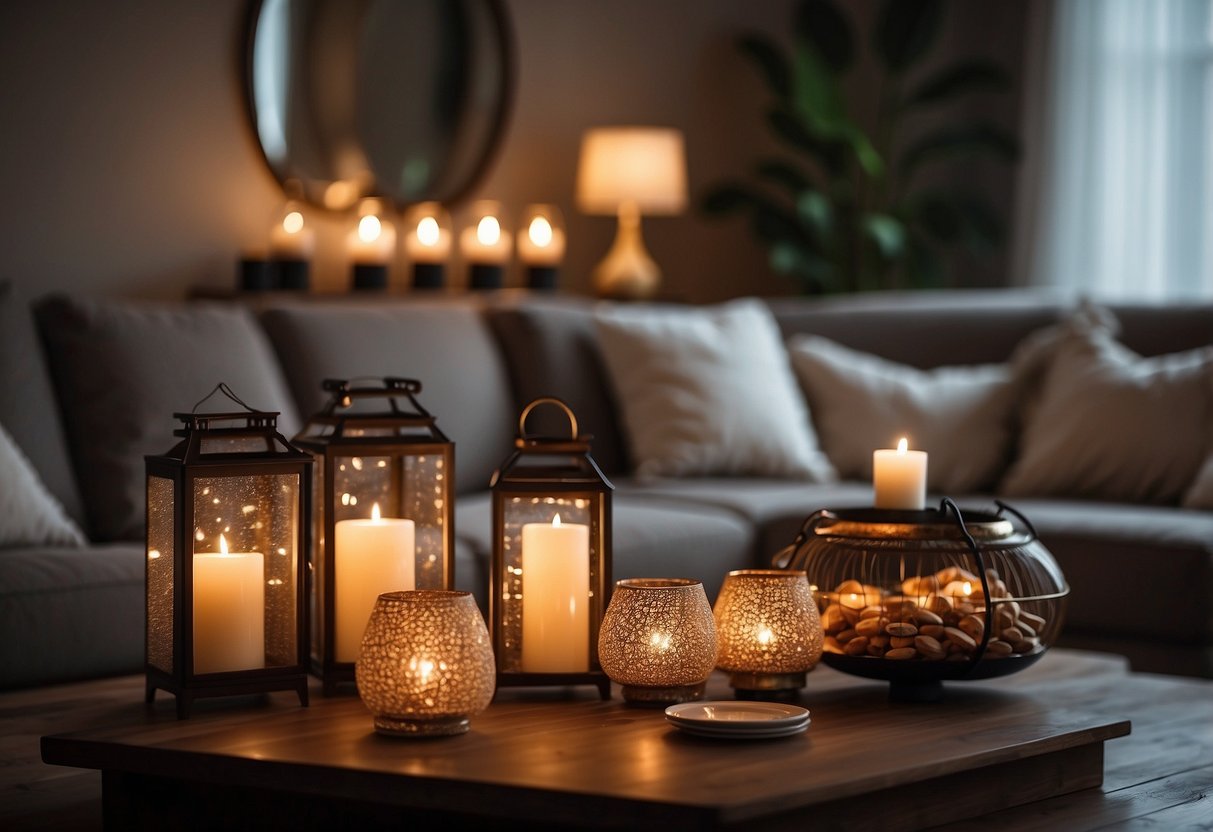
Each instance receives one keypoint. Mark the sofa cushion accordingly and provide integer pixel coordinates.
(70, 613)
(122, 368)
(1112, 425)
(651, 538)
(1145, 571)
(551, 349)
(962, 416)
(776, 508)
(29, 515)
(446, 345)
(708, 391)
(28, 408)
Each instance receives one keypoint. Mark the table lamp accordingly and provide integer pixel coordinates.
(630, 171)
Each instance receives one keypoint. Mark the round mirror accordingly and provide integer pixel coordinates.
(403, 99)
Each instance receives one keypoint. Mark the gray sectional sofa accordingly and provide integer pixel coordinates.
(89, 385)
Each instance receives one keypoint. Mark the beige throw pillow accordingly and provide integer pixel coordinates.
(29, 515)
(963, 416)
(1112, 425)
(708, 391)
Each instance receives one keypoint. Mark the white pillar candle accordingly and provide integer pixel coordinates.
(487, 243)
(542, 244)
(229, 610)
(900, 478)
(428, 242)
(371, 557)
(373, 241)
(292, 238)
(555, 597)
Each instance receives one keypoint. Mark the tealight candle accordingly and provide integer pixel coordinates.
(899, 478)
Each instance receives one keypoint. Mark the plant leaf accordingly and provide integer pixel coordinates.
(822, 25)
(906, 30)
(814, 209)
(816, 93)
(958, 219)
(982, 137)
(785, 174)
(887, 232)
(959, 78)
(770, 62)
(814, 273)
(831, 155)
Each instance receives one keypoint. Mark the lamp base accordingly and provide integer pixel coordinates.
(398, 726)
(370, 276)
(627, 272)
(769, 686)
(292, 274)
(484, 276)
(428, 275)
(656, 697)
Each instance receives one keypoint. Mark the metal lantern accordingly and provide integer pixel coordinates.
(551, 572)
(227, 533)
(384, 511)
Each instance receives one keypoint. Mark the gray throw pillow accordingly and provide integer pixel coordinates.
(963, 416)
(1109, 424)
(708, 391)
(122, 368)
(29, 515)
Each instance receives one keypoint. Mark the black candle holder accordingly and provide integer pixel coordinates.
(370, 276)
(486, 276)
(292, 273)
(429, 275)
(256, 275)
(543, 278)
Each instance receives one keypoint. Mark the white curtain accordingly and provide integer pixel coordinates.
(1123, 203)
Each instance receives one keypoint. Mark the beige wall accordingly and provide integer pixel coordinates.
(129, 167)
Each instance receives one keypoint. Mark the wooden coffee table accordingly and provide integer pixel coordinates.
(537, 759)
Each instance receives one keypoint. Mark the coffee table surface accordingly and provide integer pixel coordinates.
(540, 756)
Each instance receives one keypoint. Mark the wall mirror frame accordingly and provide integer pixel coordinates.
(407, 100)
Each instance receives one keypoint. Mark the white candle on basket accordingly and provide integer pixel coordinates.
(900, 477)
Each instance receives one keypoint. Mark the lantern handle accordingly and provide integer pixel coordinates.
(526, 411)
(222, 387)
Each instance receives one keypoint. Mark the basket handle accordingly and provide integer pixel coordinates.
(526, 411)
(788, 556)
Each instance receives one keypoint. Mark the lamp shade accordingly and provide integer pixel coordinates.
(769, 630)
(645, 166)
(426, 664)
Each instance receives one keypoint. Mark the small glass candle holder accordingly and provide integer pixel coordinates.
(372, 245)
(426, 664)
(486, 245)
(658, 640)
(541, 244)
(427, 242)
(769, 632)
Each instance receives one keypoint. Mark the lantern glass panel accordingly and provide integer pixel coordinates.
(518, 510)
(256, 514)
(160, 558)
(234, 445)
(408, 486)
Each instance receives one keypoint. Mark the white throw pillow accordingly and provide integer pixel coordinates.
(708, 391)
(29, 515)
(1112, 425)
(963, 416)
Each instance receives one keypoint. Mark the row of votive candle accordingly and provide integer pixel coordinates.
(429, 236)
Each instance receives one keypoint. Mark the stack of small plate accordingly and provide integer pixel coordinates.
(732, 720)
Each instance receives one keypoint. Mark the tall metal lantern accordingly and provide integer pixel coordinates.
(551, 571)
(384, 511)
(227, 532)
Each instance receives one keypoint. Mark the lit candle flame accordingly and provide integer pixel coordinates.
(369, 228)
(375, 512)
(968, 588)
(902, 445)
(222, 545)
(488, 231)
(540, 232)
(427, 231)
(556, 521)
(765, 636)
(292, 223)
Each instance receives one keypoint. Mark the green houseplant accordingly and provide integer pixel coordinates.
(848, 207)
